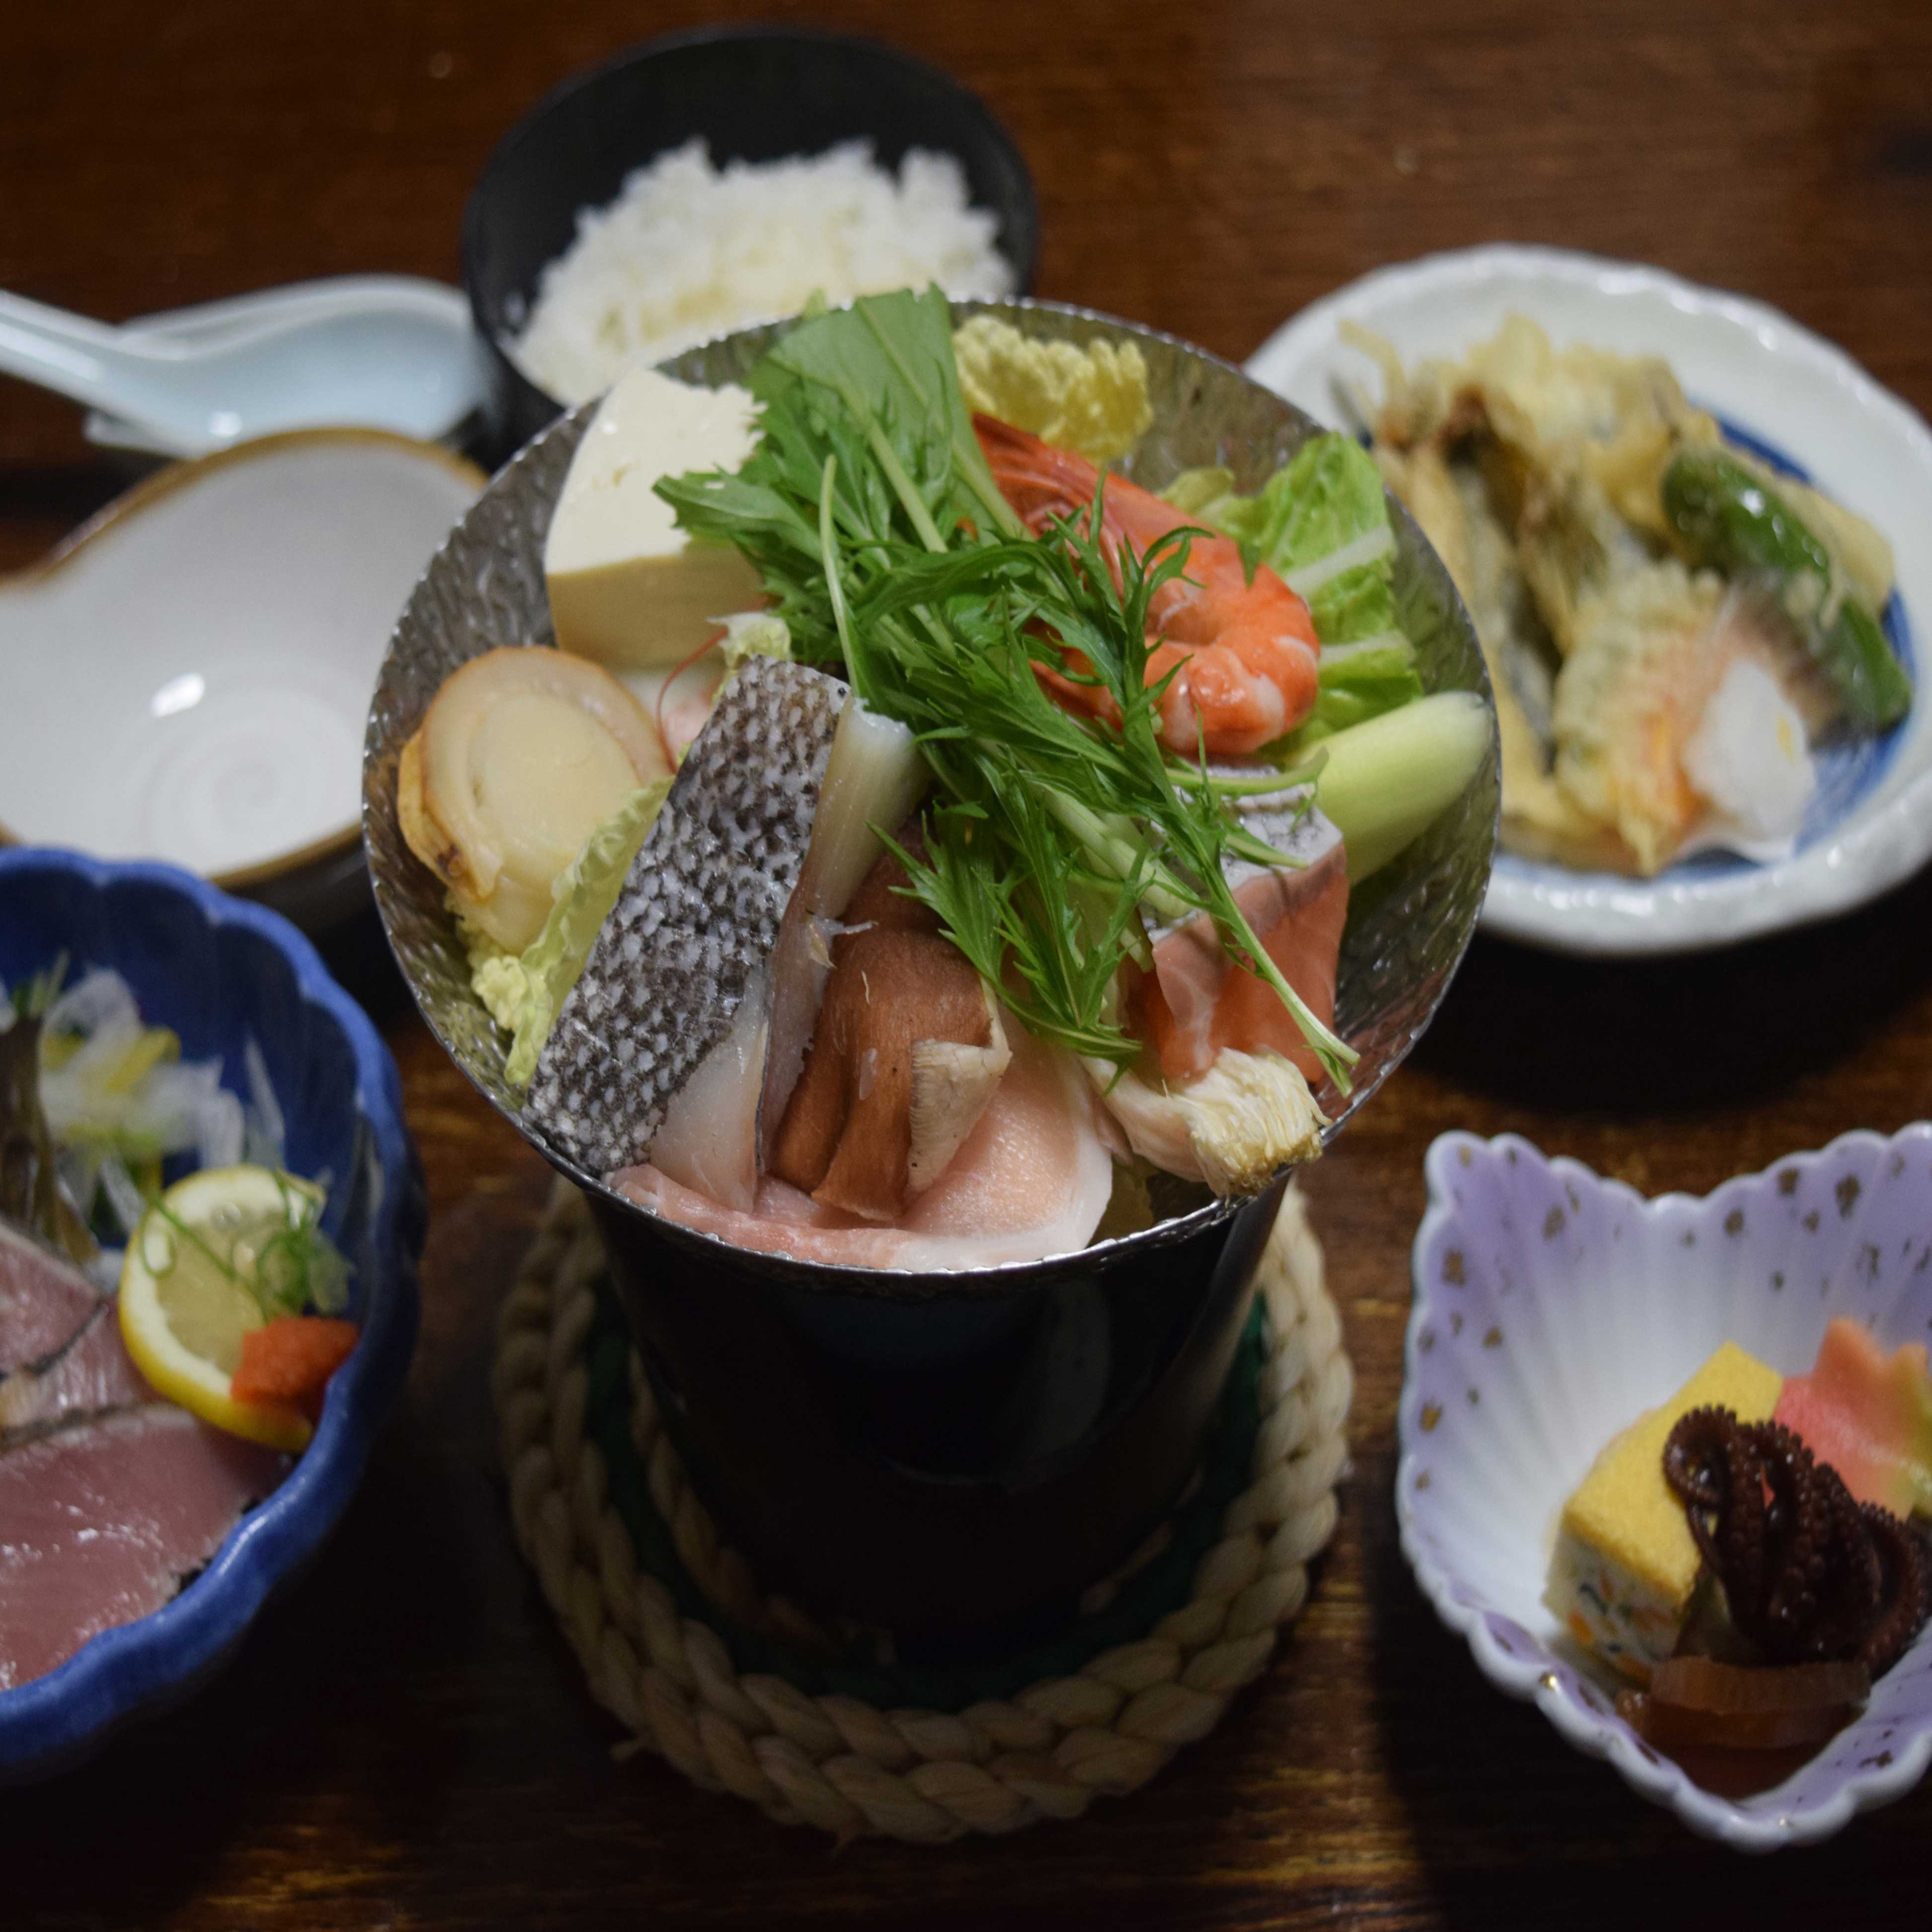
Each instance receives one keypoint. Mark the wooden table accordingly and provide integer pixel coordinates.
(405, 1741)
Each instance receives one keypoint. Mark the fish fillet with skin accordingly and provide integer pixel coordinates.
(1032, 1179)
(715, 1134)
(698, 916)
(100, 1522)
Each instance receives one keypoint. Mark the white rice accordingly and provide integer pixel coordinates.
(688, 251)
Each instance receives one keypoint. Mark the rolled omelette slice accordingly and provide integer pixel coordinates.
(1625, 1563)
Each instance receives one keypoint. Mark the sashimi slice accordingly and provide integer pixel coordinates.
(100, 1523)
(43, 1300)
(908, 1053)
(1868, 1415)
(1032, 1179)
(90, 1374)
(1196, 1001)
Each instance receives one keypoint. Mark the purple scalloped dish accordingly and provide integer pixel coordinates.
(1551, 1307)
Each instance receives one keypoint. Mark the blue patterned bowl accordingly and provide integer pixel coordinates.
(1551, 1307)
(217, 969)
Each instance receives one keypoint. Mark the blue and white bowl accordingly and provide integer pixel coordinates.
(1551, 1307)
(217, 970)
(1804, 405)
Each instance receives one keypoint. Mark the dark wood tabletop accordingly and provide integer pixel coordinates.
(405, 1741)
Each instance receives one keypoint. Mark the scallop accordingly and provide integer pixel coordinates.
(523, 753)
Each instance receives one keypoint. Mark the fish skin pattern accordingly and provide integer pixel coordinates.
(699, 914)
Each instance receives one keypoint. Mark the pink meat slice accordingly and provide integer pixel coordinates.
(43, 1300)
(100, 1523)
(1196, 1003)
(1032, 1179)
(91, 1373)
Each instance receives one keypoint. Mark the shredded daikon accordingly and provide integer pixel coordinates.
(119, 1100)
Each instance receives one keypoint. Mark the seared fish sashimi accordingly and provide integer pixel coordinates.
(91, 1373)
(44, 1300)
(100, 1522)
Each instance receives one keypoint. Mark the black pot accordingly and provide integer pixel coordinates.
(954, 1456)
(753, 93)
(956, 1469)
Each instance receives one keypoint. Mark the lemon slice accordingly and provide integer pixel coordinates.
(183, 1313)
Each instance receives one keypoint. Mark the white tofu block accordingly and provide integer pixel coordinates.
(627, 587)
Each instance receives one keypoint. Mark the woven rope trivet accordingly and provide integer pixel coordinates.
(836, 1761)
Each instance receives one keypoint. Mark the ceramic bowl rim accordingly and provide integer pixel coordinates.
(1866, 852)
(1533, 1679)
(142, 496)
(856, 1282)
(122, 1672)
(718, 33)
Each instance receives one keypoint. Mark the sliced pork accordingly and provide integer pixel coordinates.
(909, 1050)
(1196, 1001)
(1032, 1179)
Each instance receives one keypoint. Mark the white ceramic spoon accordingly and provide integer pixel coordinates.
(383, 352)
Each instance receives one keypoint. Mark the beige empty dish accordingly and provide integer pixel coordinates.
(188, 677)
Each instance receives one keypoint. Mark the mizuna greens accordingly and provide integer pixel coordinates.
(1053, 842)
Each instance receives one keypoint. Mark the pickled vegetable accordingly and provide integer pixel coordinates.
(1696, 1701)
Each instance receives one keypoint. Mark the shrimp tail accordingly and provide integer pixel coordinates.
(1242, 648)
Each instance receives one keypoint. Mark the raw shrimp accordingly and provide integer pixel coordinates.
(1243, 650)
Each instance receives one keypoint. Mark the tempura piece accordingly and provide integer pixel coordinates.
(1545, 478)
